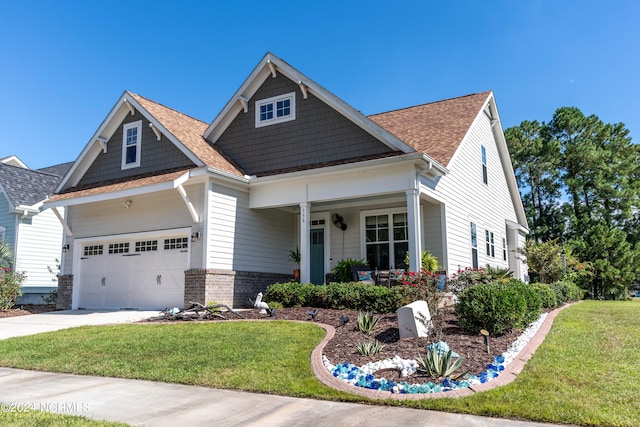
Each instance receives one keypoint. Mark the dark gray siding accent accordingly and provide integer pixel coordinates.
(318, 134)
(155, 155)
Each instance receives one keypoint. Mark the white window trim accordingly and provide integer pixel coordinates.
(273, 100)
(138, 145)
(363, 230)
(484, 161)
(3, 233)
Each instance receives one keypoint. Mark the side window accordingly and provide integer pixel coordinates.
(276, 109)
(485, 175)
(491, 248)
(474, 246)
(131, 144)
(504, 249)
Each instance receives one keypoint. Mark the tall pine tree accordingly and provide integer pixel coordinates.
(579, 179)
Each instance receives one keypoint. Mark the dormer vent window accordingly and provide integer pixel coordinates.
(276, 109)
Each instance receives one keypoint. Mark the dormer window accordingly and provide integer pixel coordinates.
(131, 142)
(276, 109)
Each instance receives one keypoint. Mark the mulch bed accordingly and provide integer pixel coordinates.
(23, 310)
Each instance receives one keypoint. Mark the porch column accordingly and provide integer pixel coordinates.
(305, 258)
(413, 218)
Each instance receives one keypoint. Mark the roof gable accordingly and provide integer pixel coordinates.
(437, 128)
(269, 67)
(183, 131)
(318, 135)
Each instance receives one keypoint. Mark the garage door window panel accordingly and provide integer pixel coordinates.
(176, 243)
(90, 250)
(147, 246)
(119, 248)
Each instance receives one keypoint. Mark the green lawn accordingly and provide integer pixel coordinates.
(586, 371)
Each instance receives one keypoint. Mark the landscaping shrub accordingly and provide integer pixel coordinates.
(9, 287)
(497, 307)
(562, 290)
(575, 292)
(532, 298)
(547, 295)
(344, 296)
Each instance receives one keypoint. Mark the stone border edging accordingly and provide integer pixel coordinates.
(509, 374)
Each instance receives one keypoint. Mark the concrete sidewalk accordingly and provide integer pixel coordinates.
(160, 404)
(19, 326)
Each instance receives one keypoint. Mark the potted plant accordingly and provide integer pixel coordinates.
(294, 256)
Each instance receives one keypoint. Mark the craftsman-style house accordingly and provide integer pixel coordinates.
(163, 208)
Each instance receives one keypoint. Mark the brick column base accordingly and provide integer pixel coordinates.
(65, 292)
(232, 288)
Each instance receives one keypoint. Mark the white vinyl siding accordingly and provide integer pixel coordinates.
(466, 197)
(242, 239)
(432, 231)
(39, 246)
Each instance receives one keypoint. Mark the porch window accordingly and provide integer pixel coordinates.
(387, 240)
(474, 246)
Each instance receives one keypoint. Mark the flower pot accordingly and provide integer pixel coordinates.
(296, 274)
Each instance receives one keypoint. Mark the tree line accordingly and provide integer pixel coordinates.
(579, 182)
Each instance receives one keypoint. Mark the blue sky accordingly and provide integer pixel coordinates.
(63, 64)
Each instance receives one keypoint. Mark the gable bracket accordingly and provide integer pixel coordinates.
(272, 67)
(156, 131)
(303, 89)
(67, 230)
(244, 102)
(103, 143)
(187, 202)
(131, 107)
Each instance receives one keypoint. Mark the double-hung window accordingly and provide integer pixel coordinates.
(131, 144)
(485, 173)
(491, 248)
(474, 246)
(386, 240)
(504, 249)
(276, 109)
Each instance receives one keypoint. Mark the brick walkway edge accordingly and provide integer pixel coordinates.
(505, 377)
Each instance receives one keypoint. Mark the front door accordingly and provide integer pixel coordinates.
(317, 255)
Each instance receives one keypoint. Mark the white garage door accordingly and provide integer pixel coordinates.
(133, 273)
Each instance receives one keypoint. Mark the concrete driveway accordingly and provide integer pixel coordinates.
(53, 321)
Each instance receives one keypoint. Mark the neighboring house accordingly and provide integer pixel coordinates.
(163, 209)
(34, 235)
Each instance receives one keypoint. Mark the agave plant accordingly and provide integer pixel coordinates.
(366, 322)
(439, 365)
(370, 348)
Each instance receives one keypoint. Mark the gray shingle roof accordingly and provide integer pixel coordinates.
(28, 187)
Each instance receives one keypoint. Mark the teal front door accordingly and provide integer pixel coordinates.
(317, 255)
